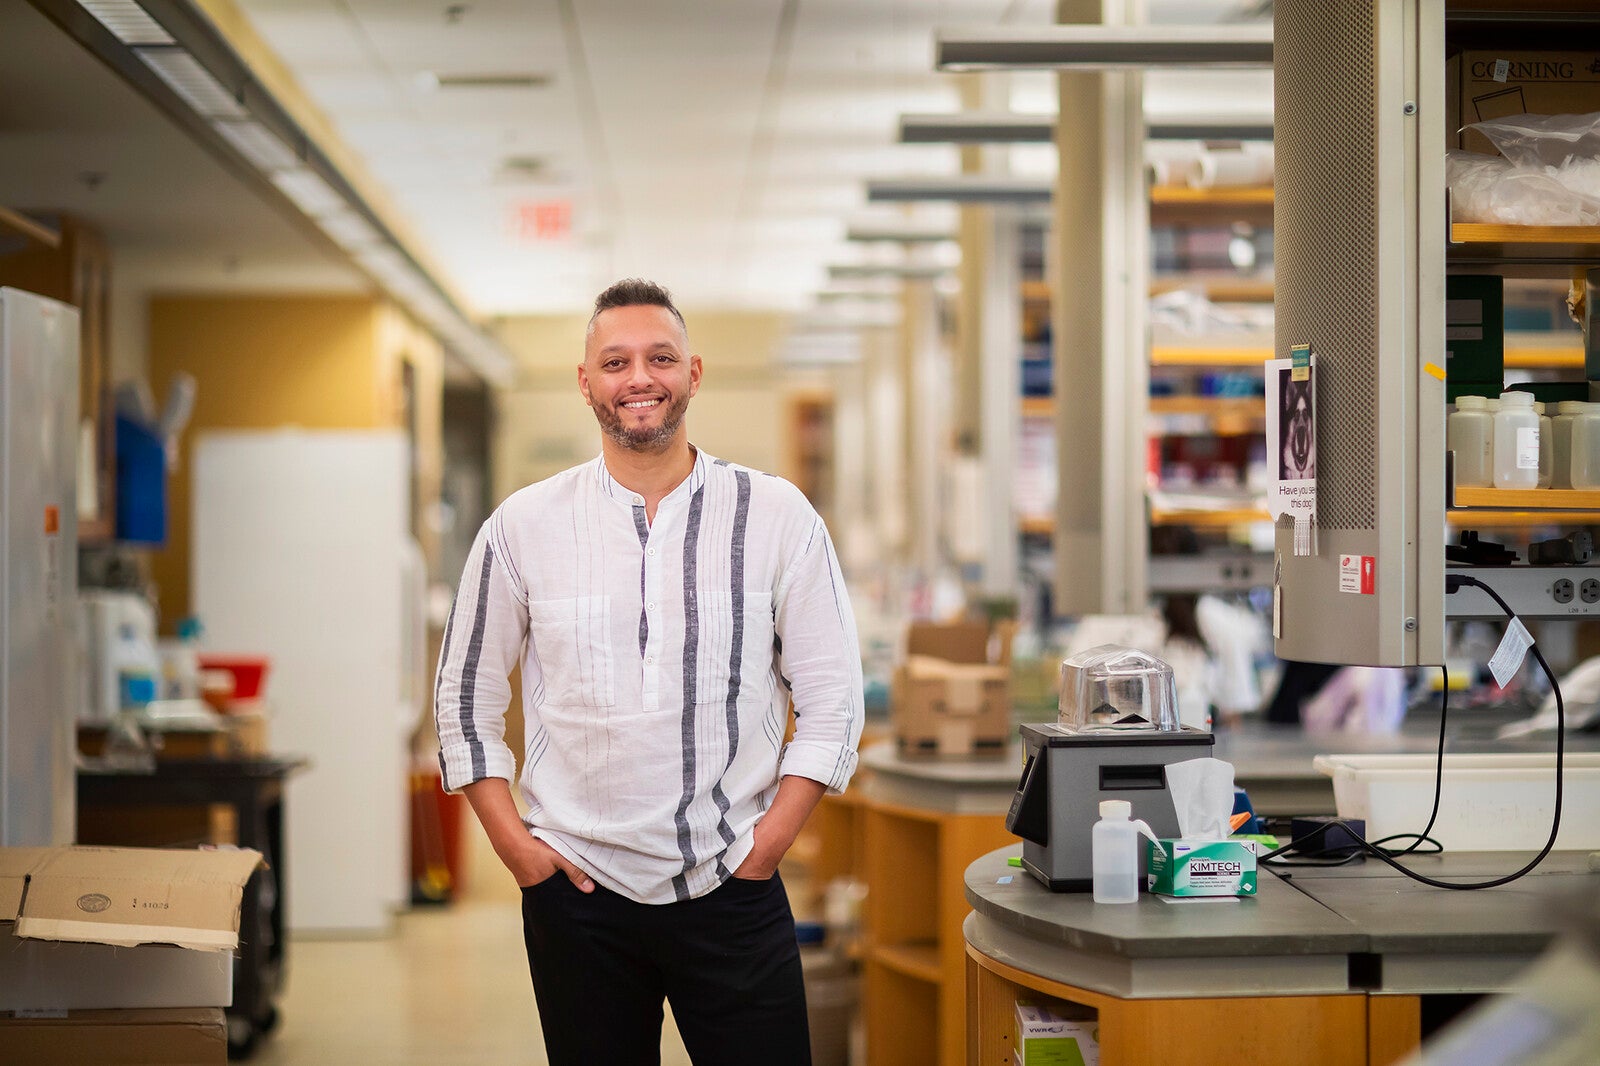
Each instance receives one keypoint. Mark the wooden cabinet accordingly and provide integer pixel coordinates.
(66, 260)
(914, 965)
(1327, 1030)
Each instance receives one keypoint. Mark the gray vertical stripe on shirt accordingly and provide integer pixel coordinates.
(643, 529)
(469, 669)
(691, 650)
(741, 517)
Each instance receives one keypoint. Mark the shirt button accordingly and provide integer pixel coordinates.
(650, 606)
(638, 499)
(650, 551)
(650, 660)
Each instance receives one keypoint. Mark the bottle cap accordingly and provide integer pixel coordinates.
(1516, 399)
(1472, 403)
(1571, 407)
(1116, 809)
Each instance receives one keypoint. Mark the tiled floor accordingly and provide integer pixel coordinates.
(450, 988)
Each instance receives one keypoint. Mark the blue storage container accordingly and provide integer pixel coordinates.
(141, 484)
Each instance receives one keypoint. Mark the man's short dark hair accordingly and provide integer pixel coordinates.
(636, 292)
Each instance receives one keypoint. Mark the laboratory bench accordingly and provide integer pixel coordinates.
(1273, 763)
(252, 790)
(1338, 961)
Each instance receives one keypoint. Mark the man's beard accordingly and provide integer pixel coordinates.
(644, 439)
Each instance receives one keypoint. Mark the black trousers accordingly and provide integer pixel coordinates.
(727, 962)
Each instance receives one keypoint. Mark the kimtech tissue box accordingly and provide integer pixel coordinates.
(1181, 867)
(1046, 1038)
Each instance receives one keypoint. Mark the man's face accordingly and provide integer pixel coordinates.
(638, 375)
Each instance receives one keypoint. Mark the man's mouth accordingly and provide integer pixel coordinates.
(642, 405)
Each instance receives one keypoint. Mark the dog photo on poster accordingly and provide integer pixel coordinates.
(1292, 440)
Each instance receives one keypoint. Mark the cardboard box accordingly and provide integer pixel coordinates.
(194, 1036)
(948, 697)
(947, 708)
(1496, 84)
(1045, 1037)
(92, 928)
(1180, 867)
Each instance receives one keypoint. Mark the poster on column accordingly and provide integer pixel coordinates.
(1292, 443)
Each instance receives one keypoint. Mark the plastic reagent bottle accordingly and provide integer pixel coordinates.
(1114, 847)
(1516, 442)
(1469, 432)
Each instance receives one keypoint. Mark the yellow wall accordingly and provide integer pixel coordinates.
(316, 362)
(543, 427)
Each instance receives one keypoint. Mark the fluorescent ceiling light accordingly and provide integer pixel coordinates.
(911, 271)
(964, 188)
(861, 295)
(901, 234)
(258, 144)
(308, 191)
(1096, 47)
(194, 83)
(349, 229)
(127, 21)
(1010, 127)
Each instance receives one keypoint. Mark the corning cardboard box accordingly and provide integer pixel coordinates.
(185, 1036)
(93, 928)
(946, 697)
(1497, 84)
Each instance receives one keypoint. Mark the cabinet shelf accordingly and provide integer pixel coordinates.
(1200, 355)
(1239, 516)
(1237, 407)
(1484, 240)
(1216, 196)
(1218, 288)
(917, 961)
(1550, 500)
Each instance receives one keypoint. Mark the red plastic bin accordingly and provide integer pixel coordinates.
(249, 673)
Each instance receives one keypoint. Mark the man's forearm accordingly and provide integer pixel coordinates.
(797, 797)
(497, 813)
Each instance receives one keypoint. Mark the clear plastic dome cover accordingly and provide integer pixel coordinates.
(1110, 687)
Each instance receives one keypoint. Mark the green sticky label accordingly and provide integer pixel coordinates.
(1300, 362)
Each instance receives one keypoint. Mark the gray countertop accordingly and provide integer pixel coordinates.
(1367, 908)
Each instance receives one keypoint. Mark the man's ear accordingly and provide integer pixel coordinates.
(696, 368)
(583, 384)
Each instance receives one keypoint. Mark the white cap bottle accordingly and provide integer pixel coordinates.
(1516, 442)
(1114, 846)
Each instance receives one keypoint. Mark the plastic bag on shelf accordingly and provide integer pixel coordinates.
(1566, 146)
(1489, 188)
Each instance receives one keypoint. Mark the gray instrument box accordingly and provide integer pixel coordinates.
(1067, 774)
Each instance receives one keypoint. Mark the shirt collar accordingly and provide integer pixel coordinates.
(621, 493)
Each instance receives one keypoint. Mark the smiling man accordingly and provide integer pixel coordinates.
(665, 607)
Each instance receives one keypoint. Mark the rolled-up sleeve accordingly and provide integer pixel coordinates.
(483, 640)
(818, 655)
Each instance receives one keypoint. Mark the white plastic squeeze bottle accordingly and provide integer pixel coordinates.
(1114, 846)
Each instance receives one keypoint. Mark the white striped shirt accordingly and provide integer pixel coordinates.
(658, 660)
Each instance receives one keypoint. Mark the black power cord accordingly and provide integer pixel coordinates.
(1453, 583)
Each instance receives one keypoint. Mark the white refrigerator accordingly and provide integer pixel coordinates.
(302, 552)
(38, 568)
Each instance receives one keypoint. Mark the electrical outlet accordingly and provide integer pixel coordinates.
(1563, 590)
(1589, 591)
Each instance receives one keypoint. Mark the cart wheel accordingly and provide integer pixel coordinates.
(242, 1035)
(268, 1021)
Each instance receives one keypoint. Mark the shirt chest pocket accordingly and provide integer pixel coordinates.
(735, 645)
(572, 639)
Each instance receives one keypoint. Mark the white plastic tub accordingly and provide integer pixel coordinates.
(1489, 802)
